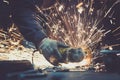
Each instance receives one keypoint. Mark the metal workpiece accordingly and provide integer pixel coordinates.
(110, 51)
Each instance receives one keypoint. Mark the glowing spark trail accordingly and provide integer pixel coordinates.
(76, 25)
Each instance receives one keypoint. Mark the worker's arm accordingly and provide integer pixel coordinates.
(25, 18)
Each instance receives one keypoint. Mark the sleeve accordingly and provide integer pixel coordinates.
(26, 20)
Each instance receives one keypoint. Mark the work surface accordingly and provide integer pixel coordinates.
(79, 76)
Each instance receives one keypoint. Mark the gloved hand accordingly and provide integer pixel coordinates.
(50, 50)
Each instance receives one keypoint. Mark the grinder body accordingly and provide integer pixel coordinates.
(68, 55)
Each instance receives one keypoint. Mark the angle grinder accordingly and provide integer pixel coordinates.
(68, 55)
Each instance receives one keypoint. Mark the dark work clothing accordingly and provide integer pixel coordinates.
(5, 20)
(24, 16)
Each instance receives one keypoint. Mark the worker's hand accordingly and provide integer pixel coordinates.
(50, 50)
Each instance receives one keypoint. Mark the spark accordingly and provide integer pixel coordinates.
(116, 29)
(61, 7)
(118, 1)
(76, 25)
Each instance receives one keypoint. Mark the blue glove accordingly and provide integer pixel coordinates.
(50, 50)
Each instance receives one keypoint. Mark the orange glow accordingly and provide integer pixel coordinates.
(88, 56)
(85, 62)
